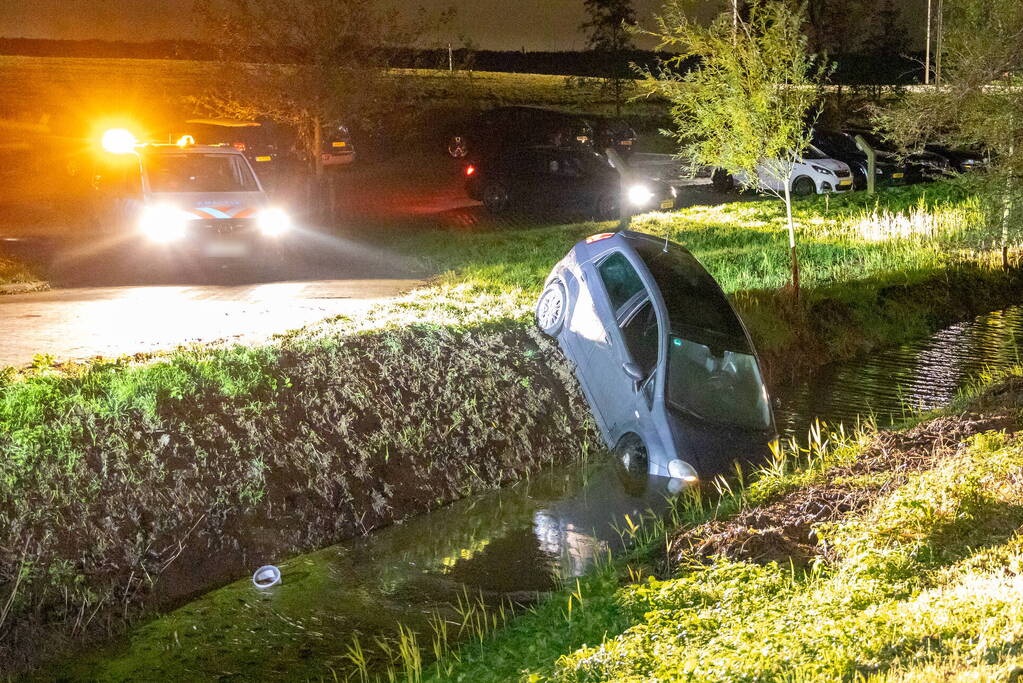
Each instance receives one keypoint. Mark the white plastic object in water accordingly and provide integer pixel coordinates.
(266, 576)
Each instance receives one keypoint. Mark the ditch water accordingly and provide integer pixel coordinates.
(506, 544)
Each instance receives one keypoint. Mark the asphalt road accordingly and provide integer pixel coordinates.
(109, 301)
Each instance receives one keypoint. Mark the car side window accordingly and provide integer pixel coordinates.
(620, 279)
(641, 337)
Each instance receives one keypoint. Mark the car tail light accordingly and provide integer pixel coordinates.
(469, 170)
(596, 238)
(240, 146)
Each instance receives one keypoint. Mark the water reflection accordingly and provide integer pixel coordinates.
(897, 382)
(512, 542)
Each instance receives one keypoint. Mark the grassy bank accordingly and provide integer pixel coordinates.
(880, 555)
(875, 270)
(15, 275)
(127, 485)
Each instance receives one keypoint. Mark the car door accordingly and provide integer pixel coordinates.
(622, 303)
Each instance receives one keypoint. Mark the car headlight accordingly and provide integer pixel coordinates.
(640, 195)
(821, 169)
(164, 223)
(680, 469)
(273, 222)
(674, 191)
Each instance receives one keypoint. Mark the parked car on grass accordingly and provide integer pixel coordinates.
(338, 149)
(960, 160)
(615, 134)
(921, 166)
(665, 363)
(506, 128)
(888, 171)
(553, 179)
(252, 138)
(813, 173)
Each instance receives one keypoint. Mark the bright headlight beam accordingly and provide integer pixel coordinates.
(273, 222)
(163, 223)
(639, 195)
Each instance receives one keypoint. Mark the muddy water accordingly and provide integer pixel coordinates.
(510, 543)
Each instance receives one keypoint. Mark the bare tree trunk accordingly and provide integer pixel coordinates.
(937, 49)
(927, 54)
(1007, 214)
(792, 241)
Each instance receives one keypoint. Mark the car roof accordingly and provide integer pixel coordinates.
(163, 148)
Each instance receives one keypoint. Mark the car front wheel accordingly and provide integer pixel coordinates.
(804, 187)
(550, 309)
(631, 456)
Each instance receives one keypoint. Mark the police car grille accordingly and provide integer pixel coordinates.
(225, 226)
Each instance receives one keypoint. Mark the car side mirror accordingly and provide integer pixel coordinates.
(634, 372)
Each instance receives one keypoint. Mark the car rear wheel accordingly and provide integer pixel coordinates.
(722, 181)
(803, 187)
(458, 148)
(631, 457)
(550, 309)
(607, 208)
(495, 197)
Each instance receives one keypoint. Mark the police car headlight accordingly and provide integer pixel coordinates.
(164, 223)
(273, 222)
(639, 195)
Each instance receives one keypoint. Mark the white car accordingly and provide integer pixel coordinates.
(814, 173)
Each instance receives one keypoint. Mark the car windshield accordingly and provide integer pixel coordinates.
(184, 172)
(712, 370)
(812, 152)
(716, 384)
(839, 142)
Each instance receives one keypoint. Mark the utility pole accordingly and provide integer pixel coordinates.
(937, 51)
(451, 58)
(927, 57)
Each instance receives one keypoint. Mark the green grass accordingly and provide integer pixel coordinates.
(109, 466)
(14, 272)
(874, 270)
(920, 581)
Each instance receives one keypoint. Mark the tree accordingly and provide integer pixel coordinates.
(309, 65)
(610, 27)
(741, 102)
(978, 105)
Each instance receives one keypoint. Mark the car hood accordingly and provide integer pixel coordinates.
(830, 164)
(713, 448)
(220, 206)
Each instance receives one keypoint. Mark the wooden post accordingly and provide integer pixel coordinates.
(927, 55)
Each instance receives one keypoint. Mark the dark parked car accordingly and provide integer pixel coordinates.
(516, 127)
(921, 166)
(960, 160)
(257, 141)
(842, 146)
(338, 149)
(613, 133)
(560, 180)
(665, 363)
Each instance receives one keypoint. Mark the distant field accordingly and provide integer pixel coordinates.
(35, 86)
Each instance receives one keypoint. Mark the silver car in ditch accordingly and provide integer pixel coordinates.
(666, 364)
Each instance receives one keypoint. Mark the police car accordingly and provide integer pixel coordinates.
(204, 200)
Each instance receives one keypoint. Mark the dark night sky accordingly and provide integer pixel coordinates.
(493, 24)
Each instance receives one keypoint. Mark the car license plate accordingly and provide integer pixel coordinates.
(225, 249)
(339, 143)
(898, 175)
(668, 204)
(627, 143)
(844, 183)
(264, 158)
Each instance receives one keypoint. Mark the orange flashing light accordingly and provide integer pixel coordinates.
(469, 170)
(601, 236)
(185, 141)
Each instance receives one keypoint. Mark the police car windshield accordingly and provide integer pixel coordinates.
(190, 172)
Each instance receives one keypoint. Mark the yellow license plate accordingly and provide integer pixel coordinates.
(843, 183)
(668, 204)
(264, 158)
(898, 175)
(627, 143)
(340, 143)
